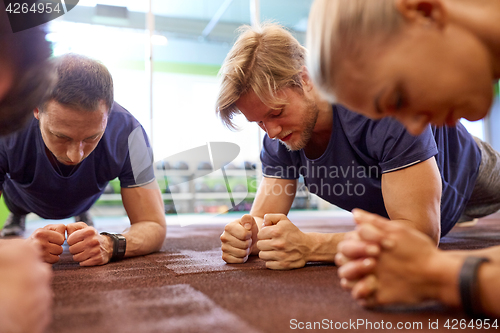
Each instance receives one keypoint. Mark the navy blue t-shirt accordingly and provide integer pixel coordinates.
(360, 150)
(32, 183)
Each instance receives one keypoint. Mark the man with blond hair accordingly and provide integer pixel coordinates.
(345, 158)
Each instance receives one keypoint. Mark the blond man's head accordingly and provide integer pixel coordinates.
(263, 60)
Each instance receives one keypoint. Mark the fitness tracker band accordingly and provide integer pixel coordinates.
(469, 289)
(119, 245)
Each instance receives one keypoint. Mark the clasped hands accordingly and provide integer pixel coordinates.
(279, 242)
(385, 262)
(87, 246)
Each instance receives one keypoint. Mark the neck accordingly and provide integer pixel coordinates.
(322, 130)
(325, 117)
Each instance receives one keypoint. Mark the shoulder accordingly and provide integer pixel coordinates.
(121, 123)
(274, 152)
(276, 148)
(121, 126)
(121, 118)
(358, 125)
(455, 139)
(23, 138)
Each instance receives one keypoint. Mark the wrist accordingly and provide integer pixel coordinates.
(107, 246)
(469, 286)
(118, 245)
(322, 247)
(443, 272)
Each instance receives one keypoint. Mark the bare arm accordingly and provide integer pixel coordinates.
(274, 196)
(144, 206)
(413, 196)
(146, 234)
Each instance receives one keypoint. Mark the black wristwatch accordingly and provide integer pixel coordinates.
(469, 287)
(119, 245)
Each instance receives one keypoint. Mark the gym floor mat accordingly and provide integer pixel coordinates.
(186, 287)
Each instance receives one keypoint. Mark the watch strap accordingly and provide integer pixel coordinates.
(119, 245)
(468, 284)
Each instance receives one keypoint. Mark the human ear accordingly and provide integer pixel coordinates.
(36, 113)
(307, 84)
(423, 11)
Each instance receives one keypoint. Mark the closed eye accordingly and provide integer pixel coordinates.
(62, 138)
(276, 115)
(92, 139)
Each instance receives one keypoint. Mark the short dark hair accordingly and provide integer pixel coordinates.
(82, 83)
(27, 53)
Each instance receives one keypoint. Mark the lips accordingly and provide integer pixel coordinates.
(286, 138)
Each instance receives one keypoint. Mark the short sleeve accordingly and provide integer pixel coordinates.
(138, 170)
(277, 161)
(386, 142)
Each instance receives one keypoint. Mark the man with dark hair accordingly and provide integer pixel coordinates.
(59, 165)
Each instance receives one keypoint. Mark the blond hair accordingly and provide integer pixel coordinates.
(263, 60)
(342, 29)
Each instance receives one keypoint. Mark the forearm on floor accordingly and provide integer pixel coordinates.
(323, 246)
(443, 279)
(144, 238)
(489, 288)
(492, 253)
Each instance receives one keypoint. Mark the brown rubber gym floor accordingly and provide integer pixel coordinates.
(186, 287)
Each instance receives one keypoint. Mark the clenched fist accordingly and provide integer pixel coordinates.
(239, 240)
(87, 246)
(50, 239)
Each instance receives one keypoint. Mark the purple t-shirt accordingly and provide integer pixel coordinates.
(34, 185)
(360, 150)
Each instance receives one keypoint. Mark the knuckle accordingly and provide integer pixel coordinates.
(224, 247)
(230, 259)
(39, 233)
(285, 265)
(52, 259)
(280, 244)
(229, 227)
(274, 233)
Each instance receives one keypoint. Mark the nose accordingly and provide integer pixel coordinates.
(75, 152)
(272, 129)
